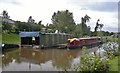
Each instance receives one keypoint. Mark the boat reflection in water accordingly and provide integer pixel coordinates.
(39, 60)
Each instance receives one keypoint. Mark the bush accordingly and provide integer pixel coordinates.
(92, 63)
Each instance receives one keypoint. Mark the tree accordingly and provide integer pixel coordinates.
(31, 20)
(88, 30)
(40, 22)
(5, 14)
(85, 19)
(5, 25)
(63, 21)
(85, 28)
(98, 26)
(23, 26)
(78, 30)
(101, 26)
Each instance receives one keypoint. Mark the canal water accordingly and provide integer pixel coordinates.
(28, 59)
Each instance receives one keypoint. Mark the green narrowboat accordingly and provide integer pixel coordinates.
(43, 40)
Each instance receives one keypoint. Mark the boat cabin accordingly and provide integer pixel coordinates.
(43, 39)
(79, 42)
(30, 38)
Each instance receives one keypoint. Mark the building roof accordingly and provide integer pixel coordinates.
(29, 34)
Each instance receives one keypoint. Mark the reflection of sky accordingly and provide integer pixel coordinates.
(25, 66)
(50, 63)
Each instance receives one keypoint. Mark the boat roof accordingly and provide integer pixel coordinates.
(71, 40)
(29, 34)
(89, 38)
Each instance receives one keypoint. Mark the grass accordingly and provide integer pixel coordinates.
(114, 64)
(111, 38)
(0, 24)
(0, 38)
(0, 32)
(10, 38)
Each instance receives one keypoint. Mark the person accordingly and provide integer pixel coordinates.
(33, 41)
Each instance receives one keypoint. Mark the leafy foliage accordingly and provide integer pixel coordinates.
(23, 26)
(95, 62)
(6, 26)
(92, 63)
(85, 29)
(63, 21)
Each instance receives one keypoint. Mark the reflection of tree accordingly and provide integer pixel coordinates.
(10, 56)
(60, 58)
(36, 57)
(63, 59)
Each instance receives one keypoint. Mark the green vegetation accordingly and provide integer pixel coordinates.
(112, 38)
(92, 63)
(114, 64)
(0, 38)
(10, 38)
(0, 25)
(63, 21)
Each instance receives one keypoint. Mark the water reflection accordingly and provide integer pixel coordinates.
(11, 56)
(27, 59)
(49, 59)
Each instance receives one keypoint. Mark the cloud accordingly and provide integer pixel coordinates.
(97, 6)
(15, 2)
(103, 6)
(44, 9)
(111, 29)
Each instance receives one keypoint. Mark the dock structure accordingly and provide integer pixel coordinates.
(43, 40)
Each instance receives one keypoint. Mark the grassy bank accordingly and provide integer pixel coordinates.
(114, 64)
(0, 38)
(10, 38)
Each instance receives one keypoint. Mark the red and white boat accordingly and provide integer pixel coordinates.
(79, 42)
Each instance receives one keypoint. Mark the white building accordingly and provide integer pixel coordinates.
(6, 20)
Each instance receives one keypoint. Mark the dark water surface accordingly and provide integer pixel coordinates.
(28, 59)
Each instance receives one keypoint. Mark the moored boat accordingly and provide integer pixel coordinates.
(79, 42)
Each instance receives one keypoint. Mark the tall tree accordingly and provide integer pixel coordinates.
(98, 26)
(5, 25)
(40, 22)
(85, 19)
(85, 28)
(78, 31)
(31, 20)
(5, 14)
(63, 21)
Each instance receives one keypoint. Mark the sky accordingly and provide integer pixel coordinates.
(105, 10)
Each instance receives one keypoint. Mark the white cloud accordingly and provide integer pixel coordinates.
(44, 9)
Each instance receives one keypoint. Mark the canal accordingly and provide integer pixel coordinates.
(28, 59)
